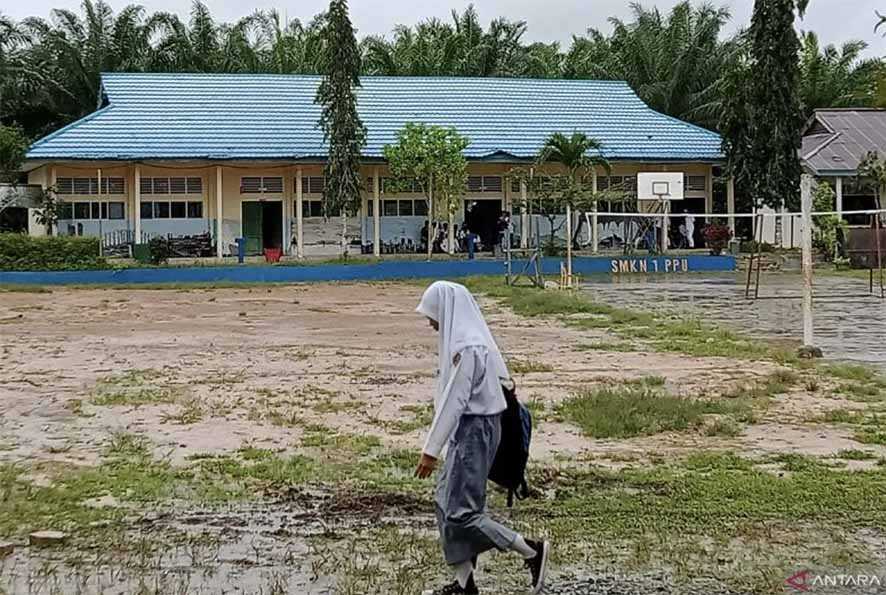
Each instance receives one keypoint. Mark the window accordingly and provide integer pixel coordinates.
(486, 184)
(313, 184)
(389, 208)
(66, 210)
(177, 186)
(420, 208)
(195, 209)
(161, 210)
(369, 208)
(515, 185)
(147, 210)
(64, 186)
(146, 186)
(696, 184)
(405, 207)
(179, 210)
(116, 210)
(602, 183)
(161, 185)
(195, 186)
(96, 210)
(261, 185)
(309, 208)
(85, 185)
(82, 210)
(113, 186)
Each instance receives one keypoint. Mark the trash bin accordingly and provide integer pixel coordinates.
(241, 249)
(734, 246)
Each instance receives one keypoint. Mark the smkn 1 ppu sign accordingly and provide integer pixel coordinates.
(650, 265)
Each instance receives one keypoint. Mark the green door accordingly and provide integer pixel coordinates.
(252, 227)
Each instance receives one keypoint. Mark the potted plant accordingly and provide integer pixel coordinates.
(716, 237)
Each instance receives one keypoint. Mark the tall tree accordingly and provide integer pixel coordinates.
(763, 122)
(579, 154)
(343, 130)
(432, 158)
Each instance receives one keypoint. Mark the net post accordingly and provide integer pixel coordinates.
(806, 243)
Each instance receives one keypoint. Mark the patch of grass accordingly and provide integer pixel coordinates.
(16, 288)
(528, 366)
(133, 387)
(190, 412)
(421, 416)
(722, 426)
(870, 436)
(846, 371)
(611, 346)
(251, 453)
(638, 410)
(855, 454)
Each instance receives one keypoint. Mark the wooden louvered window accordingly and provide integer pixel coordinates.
(261, 185)
(492, 184)
(146, 186)
(696, 184)
(313, 184)
(161, 185)
(195, 186)
(177, 185)
(64, 186)
(475, 183)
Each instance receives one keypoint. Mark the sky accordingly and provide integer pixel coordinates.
(548, 20)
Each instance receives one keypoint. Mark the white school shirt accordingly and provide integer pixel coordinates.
(470, 390)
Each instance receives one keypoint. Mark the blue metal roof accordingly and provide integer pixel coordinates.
(260, 116)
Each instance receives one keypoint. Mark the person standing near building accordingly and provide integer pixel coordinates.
(467, 420)
(690, 229)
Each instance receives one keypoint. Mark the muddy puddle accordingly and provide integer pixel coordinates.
(849, 322)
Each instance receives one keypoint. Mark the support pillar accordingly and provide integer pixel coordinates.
(569, 245)
(137, 208)
(376, 214)
(219, 215)
(709, 195)
(839, 190)
(595, 234)
(299, 214)
(524, 217)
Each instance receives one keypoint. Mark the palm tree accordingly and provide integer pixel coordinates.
(833, 77)
(579, 154)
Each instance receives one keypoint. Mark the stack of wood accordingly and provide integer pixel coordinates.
(191, 246)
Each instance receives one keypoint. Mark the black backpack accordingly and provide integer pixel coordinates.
(509, 468)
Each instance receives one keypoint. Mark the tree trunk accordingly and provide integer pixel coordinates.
(431, 231)
(344, 234)
(450, 237)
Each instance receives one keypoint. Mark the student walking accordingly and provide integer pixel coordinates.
(467, 419)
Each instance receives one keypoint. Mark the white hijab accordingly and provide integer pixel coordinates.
(461, 325)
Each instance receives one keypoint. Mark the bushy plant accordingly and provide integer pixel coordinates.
(159, 250)
(20, 252)
(830, 230)
(716, 237)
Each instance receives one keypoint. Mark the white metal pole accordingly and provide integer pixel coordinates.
(219, 214)
(806, 205)
(665, 208)
(376, 215)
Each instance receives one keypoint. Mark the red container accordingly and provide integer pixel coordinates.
(273, 254)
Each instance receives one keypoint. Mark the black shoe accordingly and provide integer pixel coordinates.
(454, 588)
(538, 564)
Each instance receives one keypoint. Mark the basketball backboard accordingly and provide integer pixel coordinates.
(660, 185)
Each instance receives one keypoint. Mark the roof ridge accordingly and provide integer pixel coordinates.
(365, 76)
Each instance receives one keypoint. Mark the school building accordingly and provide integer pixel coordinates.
(224, 156)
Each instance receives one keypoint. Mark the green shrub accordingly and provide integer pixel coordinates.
(159, 250)
(20, 252)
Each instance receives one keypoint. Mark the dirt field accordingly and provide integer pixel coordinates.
(327, 373)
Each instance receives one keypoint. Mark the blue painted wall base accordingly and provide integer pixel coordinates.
(389, 269)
